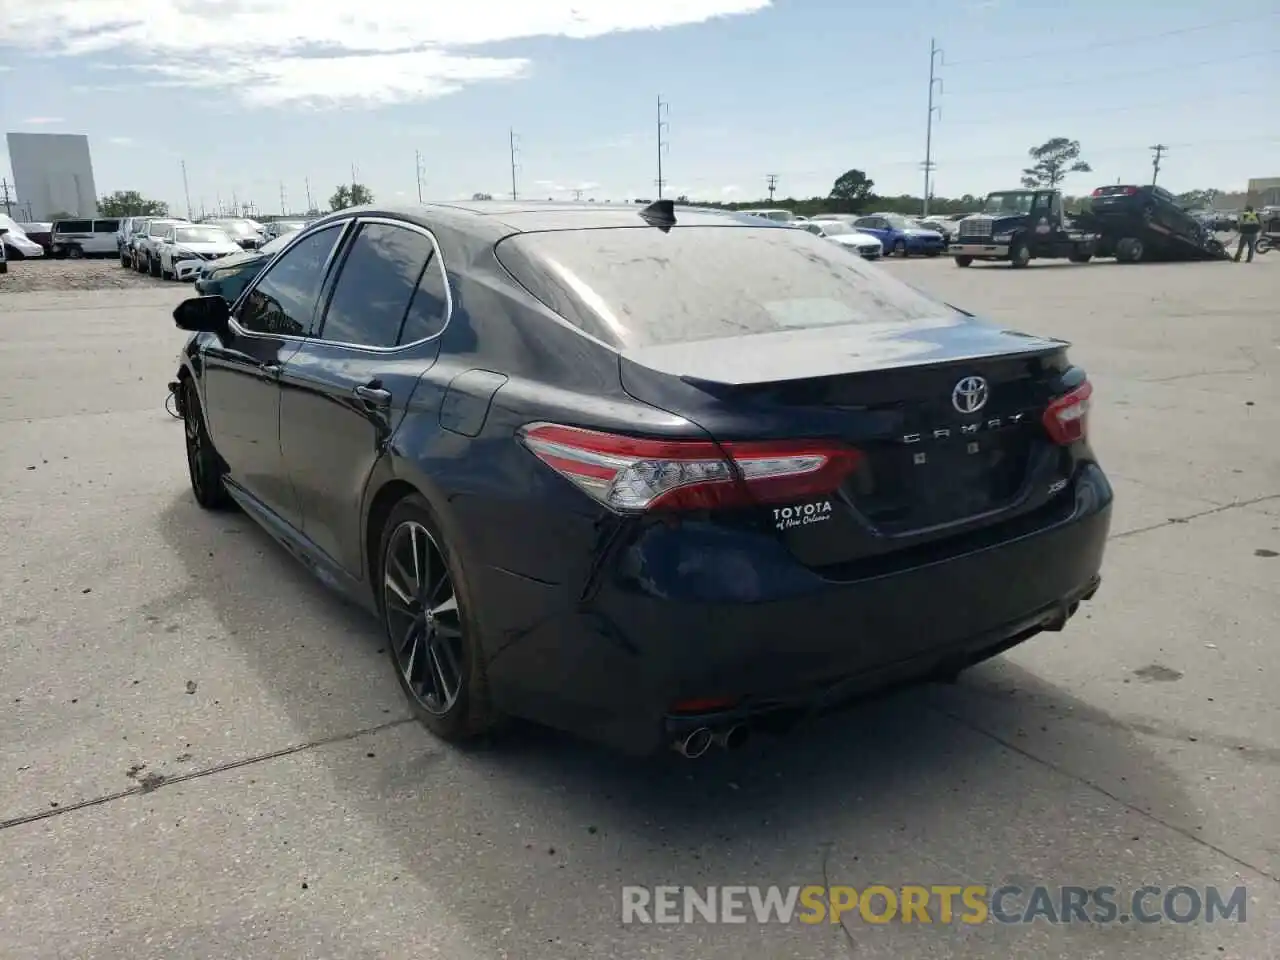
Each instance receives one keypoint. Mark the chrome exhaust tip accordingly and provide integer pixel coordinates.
(694, 744)
(731, 738)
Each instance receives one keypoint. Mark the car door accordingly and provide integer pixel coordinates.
(242, 373)
(875, 226)
(344, 392)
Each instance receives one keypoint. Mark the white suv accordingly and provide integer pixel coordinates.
(146, 245)
(84, 238)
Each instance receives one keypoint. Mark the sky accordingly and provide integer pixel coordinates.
(265, 99)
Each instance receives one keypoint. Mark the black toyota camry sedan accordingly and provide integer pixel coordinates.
(655, 475)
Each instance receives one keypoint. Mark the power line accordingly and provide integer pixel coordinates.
(663, 110)
(1157, 152)
(1095, 80)
(934, 82)
(1118, 42)
(512, 140)
(772, 184)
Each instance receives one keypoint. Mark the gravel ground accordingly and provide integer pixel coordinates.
(52, 276)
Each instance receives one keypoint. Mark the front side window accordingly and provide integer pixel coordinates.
(377, 283)
(74, 226)
(106, 226)
(283, 303)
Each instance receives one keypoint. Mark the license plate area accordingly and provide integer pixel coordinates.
(905, 487)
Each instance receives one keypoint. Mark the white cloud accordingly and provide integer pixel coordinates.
(42, 121)
(730, 188)
(273, 52)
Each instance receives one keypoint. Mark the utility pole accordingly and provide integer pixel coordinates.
(6, 199)
(663, 111)
(186, 189)
(310, 206)
(935, 83)
(577, 193)
(417, 163)
(284, 205)
(235, 204)
(1157, 151)
(772, 181)
(511, 139)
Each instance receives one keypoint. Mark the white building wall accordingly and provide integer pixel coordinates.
(53, 173)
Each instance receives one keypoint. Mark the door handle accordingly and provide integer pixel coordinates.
(374, 395)
(270, 369)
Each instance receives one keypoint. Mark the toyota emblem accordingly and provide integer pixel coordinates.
(969, 395)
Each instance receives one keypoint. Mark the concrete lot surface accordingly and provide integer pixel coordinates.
(203, 754)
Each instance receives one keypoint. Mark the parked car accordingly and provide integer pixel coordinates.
(228, 276)
(776, 214)
(84, 238)
(631, 505)
(900, 237)
(247, 233)
(146, 244)
(18, 246)
(129, 228)
(278, 228)
(863, 244)
(41, 233)
(945, 227)
(186, 247)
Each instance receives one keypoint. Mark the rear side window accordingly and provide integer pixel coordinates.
(74, 226)
(378, 281)
(106, 226)
(637, 286)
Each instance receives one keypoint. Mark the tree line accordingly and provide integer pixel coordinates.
(852, 192)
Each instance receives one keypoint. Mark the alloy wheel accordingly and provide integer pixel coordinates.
(423, 619)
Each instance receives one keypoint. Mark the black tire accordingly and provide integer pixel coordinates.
(451, 636)
(75, 253)
(153, 266)
(204, 467)
(900, 248)
(1130, 250)
(964, 261)
(1019, 254)
(125, 260)
(139, 264)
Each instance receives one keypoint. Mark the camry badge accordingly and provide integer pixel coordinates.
(969, 395)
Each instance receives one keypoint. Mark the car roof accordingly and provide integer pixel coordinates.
(500, 218)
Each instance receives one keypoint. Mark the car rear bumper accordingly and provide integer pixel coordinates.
(970, 249)
(690, 615)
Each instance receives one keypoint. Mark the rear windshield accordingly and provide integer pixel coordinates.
(636, 287)
(1114, 191)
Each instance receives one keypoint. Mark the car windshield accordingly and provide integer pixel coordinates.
(834, 228)
(276, 245)
(641, 287)
(201, 235)
(286, 225)
(237, 228)
(158, 228)
(1012, 202)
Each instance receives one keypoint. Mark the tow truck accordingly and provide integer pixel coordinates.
(1019, 226)
(1129, 223)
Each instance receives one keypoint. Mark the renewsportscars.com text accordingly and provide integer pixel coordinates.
(936, 904)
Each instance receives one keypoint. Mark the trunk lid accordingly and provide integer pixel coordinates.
(942, 453)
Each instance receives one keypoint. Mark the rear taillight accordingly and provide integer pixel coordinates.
(1067, 417)
(1098, 192)
(634, 474)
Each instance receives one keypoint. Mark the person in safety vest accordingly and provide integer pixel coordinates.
(1249, 229)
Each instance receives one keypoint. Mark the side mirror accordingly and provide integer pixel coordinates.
(203, 315)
